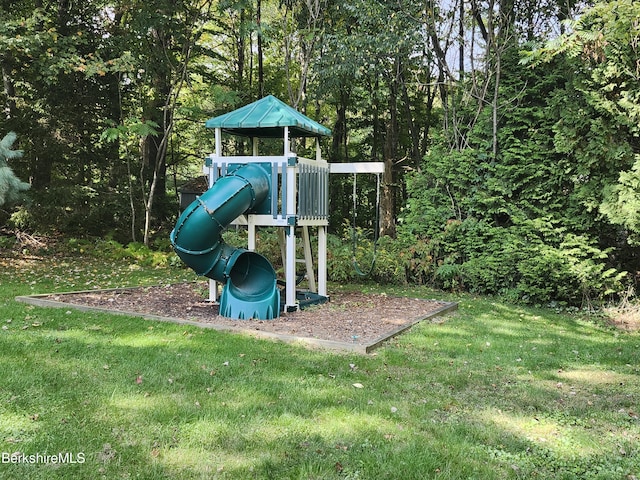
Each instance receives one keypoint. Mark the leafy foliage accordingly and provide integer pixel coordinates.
(10, 185)
(603, 126)
(523, 223)
(502, 175)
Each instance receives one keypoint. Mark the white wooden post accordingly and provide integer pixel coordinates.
(292, 194)
(322, 260)
(287, 149)
(213, 285)
(251, 233)
(218, 152)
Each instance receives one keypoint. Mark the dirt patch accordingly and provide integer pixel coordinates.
(348, 317)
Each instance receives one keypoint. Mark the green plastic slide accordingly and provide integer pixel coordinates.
(250, 287)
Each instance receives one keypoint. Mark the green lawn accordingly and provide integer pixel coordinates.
(495, 391)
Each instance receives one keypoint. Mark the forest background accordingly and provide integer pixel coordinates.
(509, 129)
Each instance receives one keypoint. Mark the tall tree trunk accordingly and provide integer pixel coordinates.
(9, 91)
(240, 45)
(413, 131)
(340, 128)
(260, 53)
(495, 106)
(461, 40)
(388, 194)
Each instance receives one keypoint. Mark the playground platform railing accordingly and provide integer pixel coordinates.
(299, 186)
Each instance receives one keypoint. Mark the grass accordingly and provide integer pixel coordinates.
(495, 391)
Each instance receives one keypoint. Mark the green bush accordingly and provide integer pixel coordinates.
(534, 262)
(75, 210)
(574, 272)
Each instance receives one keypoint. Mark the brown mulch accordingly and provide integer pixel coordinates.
(348, 317)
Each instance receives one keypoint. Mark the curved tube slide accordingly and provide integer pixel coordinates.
(250, 289)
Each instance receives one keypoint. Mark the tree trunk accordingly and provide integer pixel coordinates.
(494, 107)
(388, 194)
(340, 129)
(413, 130)
(9, 91)
(240, 45)
(260, 53)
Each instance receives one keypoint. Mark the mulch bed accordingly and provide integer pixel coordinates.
(351, 317)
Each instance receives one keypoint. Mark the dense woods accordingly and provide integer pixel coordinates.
(509, 130)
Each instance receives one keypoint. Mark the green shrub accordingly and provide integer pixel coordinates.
(574, 272)
(145, 256)
(75, 210)
(534, 262)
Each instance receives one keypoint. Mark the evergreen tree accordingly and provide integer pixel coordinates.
(10, 185)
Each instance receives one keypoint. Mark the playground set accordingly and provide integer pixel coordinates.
(284, 191)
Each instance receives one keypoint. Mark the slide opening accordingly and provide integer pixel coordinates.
(252, 276)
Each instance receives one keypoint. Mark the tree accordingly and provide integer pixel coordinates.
(373, 54)
(10, 186)
(604, 44)
(158, 42)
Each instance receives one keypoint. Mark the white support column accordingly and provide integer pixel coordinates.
(322, 260)
(213, 291)
(213, 285)
(287, 148)
(290, 230)
(308, 259)
(254, 144)
(290, 300)
(218, 152)
(251, 233)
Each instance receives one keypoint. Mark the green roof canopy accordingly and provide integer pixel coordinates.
(266, 118)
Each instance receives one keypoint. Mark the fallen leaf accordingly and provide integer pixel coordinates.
(358, 385)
